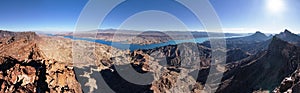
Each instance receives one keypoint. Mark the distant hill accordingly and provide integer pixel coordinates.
(251, 44)
(256, 37)
(258, 41)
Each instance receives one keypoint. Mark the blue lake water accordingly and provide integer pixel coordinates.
(132, 47)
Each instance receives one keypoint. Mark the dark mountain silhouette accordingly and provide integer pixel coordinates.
(264, 70)
(235, 55)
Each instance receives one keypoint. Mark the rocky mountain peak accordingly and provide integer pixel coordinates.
(256, 37)
(259, 34)
(289, 37)
(287, 31)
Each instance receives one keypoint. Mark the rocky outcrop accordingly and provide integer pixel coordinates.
(61, 77)
(36, 76)
(25, 69)
(289, 84)
(165, 82)
(19, 77)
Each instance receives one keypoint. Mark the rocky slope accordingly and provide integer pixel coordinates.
(263, 71)
(182, 68)
(166, 69)
(24, 67)
(236, 55)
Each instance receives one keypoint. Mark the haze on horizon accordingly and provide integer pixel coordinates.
(236, 16)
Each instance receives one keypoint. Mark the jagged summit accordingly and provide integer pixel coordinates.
(289, 37)
(259, 34)
(287, 31)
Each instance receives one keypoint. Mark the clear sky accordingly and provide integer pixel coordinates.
(270, 16)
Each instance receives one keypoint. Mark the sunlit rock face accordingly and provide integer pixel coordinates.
(36, 76)
(25, 69)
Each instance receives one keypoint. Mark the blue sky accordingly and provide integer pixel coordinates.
(271, 16)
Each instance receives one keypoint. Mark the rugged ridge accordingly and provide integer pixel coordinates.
(289, 37)
(24, 67)
(263, 71)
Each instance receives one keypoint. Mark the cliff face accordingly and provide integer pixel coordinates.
(24, 67)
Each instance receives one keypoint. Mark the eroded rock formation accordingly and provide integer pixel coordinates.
(25, 69)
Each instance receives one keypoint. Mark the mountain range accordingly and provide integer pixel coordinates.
(140, 37)
(254, 63)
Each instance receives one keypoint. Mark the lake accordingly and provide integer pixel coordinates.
(133, 47)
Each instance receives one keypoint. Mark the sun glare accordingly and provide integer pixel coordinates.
(275, 6)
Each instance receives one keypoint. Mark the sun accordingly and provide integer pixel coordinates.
(275, 6)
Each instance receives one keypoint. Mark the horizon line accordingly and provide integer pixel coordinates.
(224, 30)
